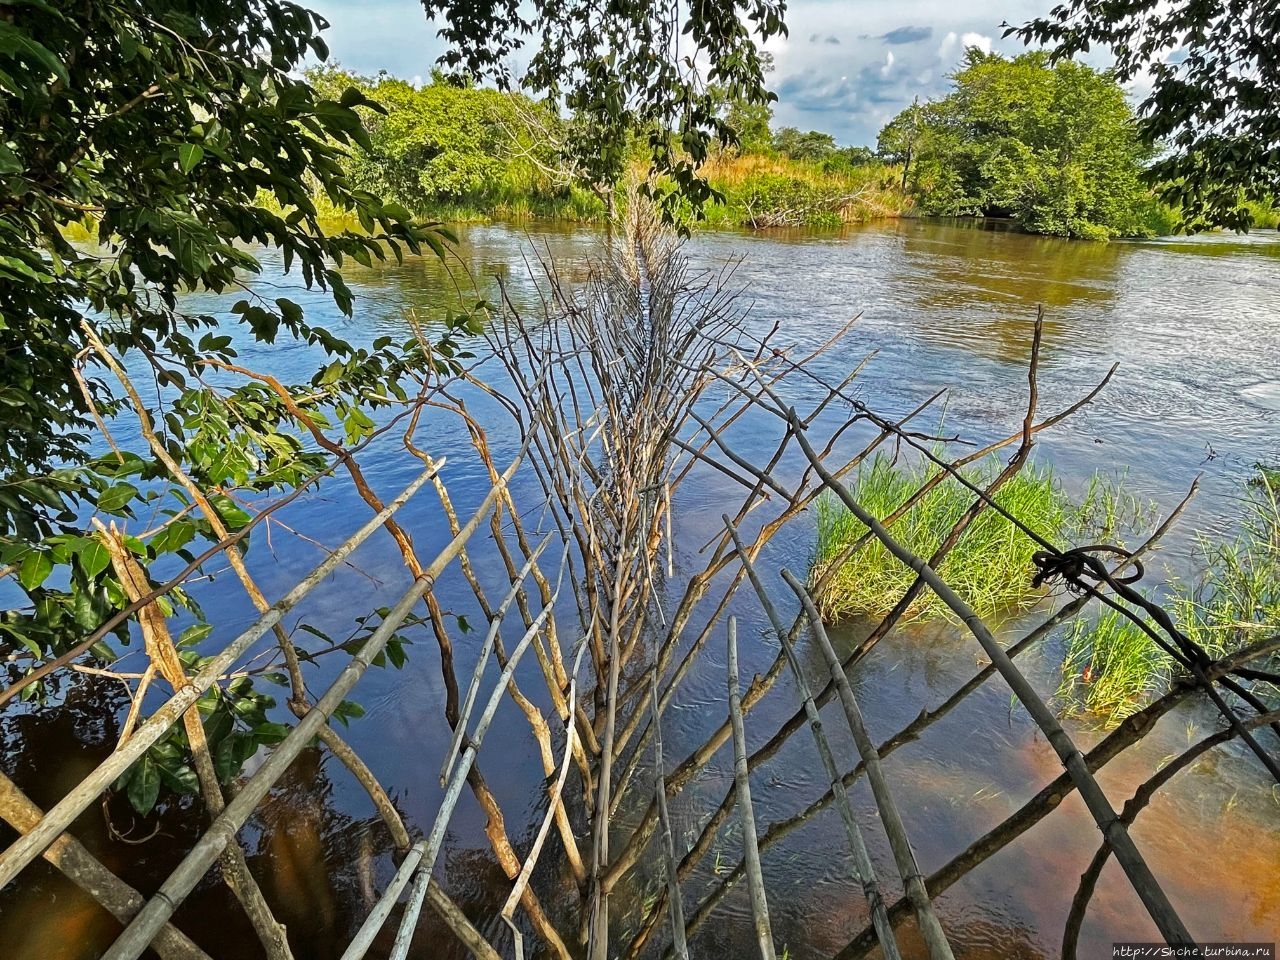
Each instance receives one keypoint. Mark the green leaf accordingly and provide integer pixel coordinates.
(194, 634)
(189, 154)
(217, 725)
(181, 779)
(232, 514)
(290, 312)
(18, 44)
(144, 785)
(94, 558)
(35, 569)
(347, 710)
(270, 733)
(173, 537)
(9, 163)
(115, 499)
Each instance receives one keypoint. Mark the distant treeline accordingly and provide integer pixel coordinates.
(1053, 147)
(465, 153)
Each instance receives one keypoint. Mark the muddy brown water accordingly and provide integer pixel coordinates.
(1193, 325)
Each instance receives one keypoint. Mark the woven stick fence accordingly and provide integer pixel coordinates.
(620, 389)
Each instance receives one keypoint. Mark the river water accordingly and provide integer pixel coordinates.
(1192, 324)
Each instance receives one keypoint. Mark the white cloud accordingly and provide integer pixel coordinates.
(983, 43)
(888, 64)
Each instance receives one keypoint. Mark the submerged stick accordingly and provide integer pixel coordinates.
(905, 858)
(755, 877)
(62, 814)
(864, 871)
(163, 655)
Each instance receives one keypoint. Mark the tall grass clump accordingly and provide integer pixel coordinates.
(990, 567)
(1233, 600)
(1111, 669)
(773, 191)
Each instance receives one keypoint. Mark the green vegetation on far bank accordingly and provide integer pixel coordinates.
(1053, 146)
(466, 153)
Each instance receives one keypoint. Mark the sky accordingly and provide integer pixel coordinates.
(846, 68)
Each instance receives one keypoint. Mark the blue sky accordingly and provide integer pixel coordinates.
(847, 67)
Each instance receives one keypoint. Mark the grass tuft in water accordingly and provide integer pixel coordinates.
(1110, 670)
(990, 567)
(1112, 667)
(1236, 599)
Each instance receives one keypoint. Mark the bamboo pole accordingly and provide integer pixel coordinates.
(459, 777)
(887, 428)
(755, 877)
(675, 900)
(1131, 730)
(222, 831)
(163, 655)
(899, 841)
(1127, 853)
(864, 871)
(526, 872)
(486, 648)
(1135, 805)
(61, 815)
(80, 867)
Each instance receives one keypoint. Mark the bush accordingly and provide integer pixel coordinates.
(1054, 147)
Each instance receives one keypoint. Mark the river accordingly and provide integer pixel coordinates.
(1192, 324)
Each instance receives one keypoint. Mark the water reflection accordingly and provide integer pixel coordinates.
(1193, 324)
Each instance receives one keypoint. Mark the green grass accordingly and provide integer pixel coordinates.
(990, 567)
(1236, 598)
(1110, 669)
(1161, 220)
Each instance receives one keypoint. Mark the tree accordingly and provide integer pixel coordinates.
(1215, 81)
(640, 66)
(749, 119)
(171, 133)
(436, 143)
(812, 145)
(1054, 147)
(900, 138)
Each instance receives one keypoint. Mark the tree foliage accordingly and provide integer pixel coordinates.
(1214, 68)
(750, 118)
(159, 128)
(810, 145)
(1054, 147)
(444, 145)
(646, 67)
